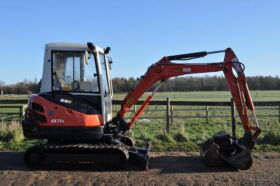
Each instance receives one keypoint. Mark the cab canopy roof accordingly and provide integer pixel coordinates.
(68, 46)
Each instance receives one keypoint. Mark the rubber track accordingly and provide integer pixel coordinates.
(85, 148)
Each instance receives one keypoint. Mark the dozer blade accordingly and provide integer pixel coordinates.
(141, 155)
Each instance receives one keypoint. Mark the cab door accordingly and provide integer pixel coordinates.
(106, 89)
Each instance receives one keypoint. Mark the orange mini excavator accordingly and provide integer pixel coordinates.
(73, 110)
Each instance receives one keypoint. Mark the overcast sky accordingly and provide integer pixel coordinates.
(139, 32)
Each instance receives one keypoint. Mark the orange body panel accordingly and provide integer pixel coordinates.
(60, 116)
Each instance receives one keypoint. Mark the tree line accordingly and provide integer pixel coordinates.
(123, 85)
(206, 83)
(24, 87)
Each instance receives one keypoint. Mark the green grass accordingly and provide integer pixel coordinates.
(183, 136)
(11, 137)
(14, 96)
(263, 95)
(186, 134)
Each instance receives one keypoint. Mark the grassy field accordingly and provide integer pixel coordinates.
(186, 134)
(264, 95)
(261, 95)
(11, 97)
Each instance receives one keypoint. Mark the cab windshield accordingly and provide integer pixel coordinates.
(72, 72)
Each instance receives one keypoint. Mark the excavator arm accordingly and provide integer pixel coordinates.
(165, 69)
(222, 147)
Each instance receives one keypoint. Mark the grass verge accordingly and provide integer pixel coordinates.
(11, 137)
(189, 136)
(182, 136)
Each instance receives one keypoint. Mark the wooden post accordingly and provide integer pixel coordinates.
(279, 111)
(207, 114)
(20, 112)
(167, 116)
(23, 110)
(171, 114)
(134, 111)
(233, 122)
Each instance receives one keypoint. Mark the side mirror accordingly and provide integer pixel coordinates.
(107, 50)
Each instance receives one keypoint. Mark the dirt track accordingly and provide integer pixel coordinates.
(165, 169)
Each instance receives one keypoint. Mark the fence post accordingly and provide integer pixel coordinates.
(20, 112)
(207, 114)
(279, 111)
(134, 111)
(171, 114)
(167, 115)
(233, 122)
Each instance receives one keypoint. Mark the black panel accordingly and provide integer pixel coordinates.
(39, 117)
(37, 107)
(87, 104)
(33, 131)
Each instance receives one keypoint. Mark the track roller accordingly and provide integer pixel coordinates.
(33, 157)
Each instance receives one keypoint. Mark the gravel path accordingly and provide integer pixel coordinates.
(166, 168)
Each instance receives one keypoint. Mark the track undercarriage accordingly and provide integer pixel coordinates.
(106, 152)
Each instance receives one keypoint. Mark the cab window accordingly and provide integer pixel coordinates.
(72, 72)
(104, 75)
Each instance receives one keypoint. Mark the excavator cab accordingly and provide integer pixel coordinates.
(73, 111)
(75, 99)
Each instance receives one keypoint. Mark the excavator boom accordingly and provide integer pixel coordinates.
(165, 69)
(222, 146)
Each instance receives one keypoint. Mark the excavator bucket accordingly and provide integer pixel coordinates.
(210, 155)
(241, 159)
(222, 150)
